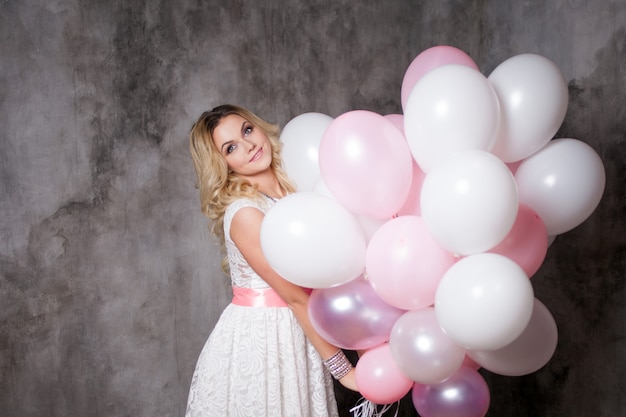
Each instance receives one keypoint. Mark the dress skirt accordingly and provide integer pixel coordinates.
(257, 362)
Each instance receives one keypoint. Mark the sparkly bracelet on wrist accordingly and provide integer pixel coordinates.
(338, 365)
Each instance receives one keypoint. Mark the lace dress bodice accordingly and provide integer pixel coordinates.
(241, 274)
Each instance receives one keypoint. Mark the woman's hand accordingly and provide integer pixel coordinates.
(349, 381)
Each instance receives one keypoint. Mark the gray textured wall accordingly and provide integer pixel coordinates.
(109, 280)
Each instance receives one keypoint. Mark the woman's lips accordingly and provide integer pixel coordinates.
(257, 155)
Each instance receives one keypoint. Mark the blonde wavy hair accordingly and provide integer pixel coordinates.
(218, 186)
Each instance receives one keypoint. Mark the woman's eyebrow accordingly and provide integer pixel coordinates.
(243, 127)
(243, 130)
(228, 142)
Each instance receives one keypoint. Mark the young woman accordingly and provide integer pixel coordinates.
(263, 357)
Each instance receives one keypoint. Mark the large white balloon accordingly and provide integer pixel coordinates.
(469, 202)
(451, 108)
(301, 138)
(563, 183)
(533, 101)
(313, 241)
(526, 354)
(484, 301)
(428, 60)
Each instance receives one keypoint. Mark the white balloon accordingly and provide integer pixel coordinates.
(551, 240)
(533, 101)
(469, 202)
(320, 187)
(368, 224)
(484, 301)
(301, 138)
(563, 183)
(451, 108)
(526, 354)
(313, 241)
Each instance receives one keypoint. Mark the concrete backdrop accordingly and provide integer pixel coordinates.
(109, 279)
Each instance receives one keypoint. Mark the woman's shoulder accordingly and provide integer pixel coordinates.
(242, 202)
(237, 205)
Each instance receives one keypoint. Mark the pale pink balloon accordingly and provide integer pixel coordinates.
(397, 120)
(470, 363)
(366, 163)
(465, 394)
(378, 377)
(513, 166)
(527, 242)
(351, 315)
(404, 263)
(412, 204)
(430, 59)
(422, 349)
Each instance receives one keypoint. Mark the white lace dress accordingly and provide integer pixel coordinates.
(257, 361)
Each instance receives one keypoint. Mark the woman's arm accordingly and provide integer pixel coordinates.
(245, 231)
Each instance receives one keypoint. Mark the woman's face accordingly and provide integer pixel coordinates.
(245, 147)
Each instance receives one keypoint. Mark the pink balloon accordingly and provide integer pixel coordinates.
(470, 363)
(465, 394)
(366, 163)
(421, 348)
(513, 166)
(430, 59)
(405, 264)
(527, 242)
(412, 203)
(397, 120)
(352, 316)
(378, 377)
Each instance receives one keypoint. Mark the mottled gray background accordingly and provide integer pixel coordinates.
(109, 279)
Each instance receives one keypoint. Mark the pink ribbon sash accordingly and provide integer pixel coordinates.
(257, 297)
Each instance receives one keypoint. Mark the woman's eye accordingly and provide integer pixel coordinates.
(247, 130)
(230, 148)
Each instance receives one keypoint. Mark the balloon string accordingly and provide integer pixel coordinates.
(366, 408)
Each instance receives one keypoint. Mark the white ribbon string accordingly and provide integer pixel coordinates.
(366, 408)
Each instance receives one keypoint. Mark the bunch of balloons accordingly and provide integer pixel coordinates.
(419, 232)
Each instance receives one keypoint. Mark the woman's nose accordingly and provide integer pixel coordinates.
(251, 145)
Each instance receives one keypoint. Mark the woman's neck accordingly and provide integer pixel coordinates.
(269, 185)
(275, 191)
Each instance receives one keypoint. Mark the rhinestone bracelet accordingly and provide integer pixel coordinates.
(338, 365)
